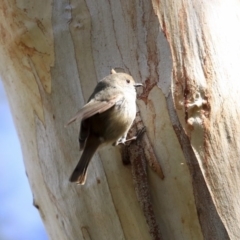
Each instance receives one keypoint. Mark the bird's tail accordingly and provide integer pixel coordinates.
(80, 172)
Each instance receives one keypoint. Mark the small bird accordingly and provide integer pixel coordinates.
(105, 119)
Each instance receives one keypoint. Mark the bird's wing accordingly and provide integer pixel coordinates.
(93, 107)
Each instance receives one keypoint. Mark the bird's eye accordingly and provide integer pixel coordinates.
(128, 81)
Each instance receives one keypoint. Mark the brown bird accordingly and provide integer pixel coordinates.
(105, 119)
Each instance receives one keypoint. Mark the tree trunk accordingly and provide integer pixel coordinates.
(187, 55)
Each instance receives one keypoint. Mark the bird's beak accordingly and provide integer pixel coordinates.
(138, 85)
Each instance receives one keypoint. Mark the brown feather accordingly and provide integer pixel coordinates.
(80, 172)
(92, 108)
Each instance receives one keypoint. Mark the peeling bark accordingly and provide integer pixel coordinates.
(186, 54)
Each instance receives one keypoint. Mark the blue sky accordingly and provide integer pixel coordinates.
(19, 220)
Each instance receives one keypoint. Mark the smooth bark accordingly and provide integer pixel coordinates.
(187, 55)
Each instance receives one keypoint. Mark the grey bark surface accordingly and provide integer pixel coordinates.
(187, 56)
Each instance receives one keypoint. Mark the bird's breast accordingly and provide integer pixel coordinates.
(112, 124)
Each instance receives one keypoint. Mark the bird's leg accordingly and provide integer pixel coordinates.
(123, 140)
